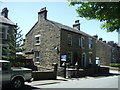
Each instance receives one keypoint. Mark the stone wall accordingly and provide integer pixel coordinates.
(76, 50)
(50, 39)
(104, 52)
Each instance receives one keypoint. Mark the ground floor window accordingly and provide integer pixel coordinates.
(90, 58)
(37, 56)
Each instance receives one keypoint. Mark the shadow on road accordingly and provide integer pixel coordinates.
(26, 87)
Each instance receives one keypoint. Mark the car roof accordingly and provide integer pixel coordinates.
(4, 61)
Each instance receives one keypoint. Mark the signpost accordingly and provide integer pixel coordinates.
(63, 63)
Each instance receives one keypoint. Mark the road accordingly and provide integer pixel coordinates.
(104, 82)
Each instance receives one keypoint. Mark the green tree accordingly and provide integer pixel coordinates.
(107, 12)
(14, 45)
(10, 50)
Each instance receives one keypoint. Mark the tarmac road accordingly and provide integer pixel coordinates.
(105, 82)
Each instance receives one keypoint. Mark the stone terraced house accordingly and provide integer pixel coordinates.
(6, 30)
(48, 40)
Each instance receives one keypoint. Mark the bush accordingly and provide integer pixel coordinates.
(115, 64)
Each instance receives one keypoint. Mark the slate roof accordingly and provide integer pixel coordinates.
(64, 27)
(7, 21)
(68, 28)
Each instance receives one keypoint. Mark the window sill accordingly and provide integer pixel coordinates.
(37, 44)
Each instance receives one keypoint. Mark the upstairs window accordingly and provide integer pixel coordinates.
(69, 39)
(79, 41)
(90, 43)
(37, 40)
(3, 32)
(82, 42)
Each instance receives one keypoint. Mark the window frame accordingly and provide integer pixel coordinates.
(4, 33)
(82, 42)
(37, 42)
(90, 45)
(69, 39)
(36, 56)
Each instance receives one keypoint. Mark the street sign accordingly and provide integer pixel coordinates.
(63, 58)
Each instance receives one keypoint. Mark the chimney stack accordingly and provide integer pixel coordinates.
(76, 25)
(42, 15)
(96, 36)
(5, 12)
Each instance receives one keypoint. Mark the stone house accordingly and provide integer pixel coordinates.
(107, 52)
(6, 30)
(115, 52)
(48, 40)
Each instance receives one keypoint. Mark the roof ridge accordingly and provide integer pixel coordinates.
(62, 26)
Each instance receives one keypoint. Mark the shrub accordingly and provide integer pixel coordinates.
(115, 64)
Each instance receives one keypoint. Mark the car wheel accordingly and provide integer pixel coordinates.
(17, 83)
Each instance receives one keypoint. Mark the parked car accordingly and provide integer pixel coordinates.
(14, 76)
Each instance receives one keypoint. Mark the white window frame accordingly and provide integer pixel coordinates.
(89, 44)
(37, 36)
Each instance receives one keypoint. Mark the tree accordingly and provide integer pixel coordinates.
(107, 12)
(10, 50)
(14, 42)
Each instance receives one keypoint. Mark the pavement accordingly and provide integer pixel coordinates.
(61, 79)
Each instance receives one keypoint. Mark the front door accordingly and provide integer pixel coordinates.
(83, 60)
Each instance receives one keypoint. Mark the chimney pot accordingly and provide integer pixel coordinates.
(77, 21)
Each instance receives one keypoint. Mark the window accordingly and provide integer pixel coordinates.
(4, 33)
(37, 56)
(79, 41)
(69, 39)
(37, 40)
(82, 42)
(90, 57)
(69, 57)
(90, 43)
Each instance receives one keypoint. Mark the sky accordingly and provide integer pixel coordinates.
(25, 14)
